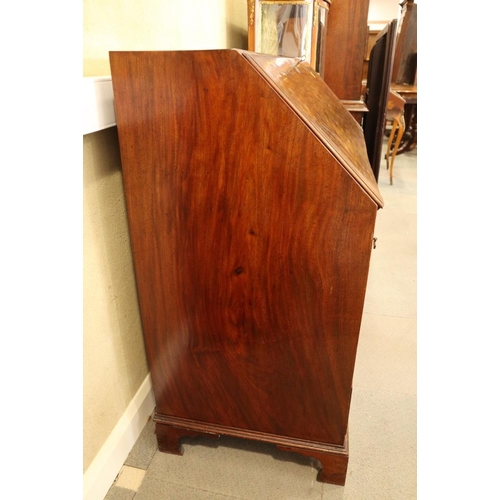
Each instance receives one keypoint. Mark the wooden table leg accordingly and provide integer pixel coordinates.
(409, 141)
(398, 127)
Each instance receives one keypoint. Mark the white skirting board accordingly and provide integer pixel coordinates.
(101, 473)
(99, 114)
(98, 104)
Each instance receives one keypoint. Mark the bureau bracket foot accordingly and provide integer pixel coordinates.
(333, 464)
(334, 459)
(169, 437)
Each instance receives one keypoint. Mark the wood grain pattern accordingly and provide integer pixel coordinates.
(346, 40)
(251, 245)
(405, 56)
(333, 460)
(316, 104)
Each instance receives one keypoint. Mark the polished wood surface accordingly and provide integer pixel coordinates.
(315, 103)
(395, 116)
(345, 47)
(251, 241)
(405, 56)
(404, 79)
(409, 94)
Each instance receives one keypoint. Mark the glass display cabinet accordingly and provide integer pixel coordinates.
(289, 28)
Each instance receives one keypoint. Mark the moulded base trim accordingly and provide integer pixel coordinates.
(333, 458)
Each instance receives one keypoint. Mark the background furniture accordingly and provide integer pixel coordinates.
(404, 74)
(377, 93)
(372, 36)
(339, 42)
(345, 47)
(394, 115)
(251, 206)
(405, 55)
(409, 94)
(289, 28)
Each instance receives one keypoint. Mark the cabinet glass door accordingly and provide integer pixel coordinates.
(284, 28)
(289, 28)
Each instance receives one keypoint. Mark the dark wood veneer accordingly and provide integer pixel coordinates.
(346, 39)
(251, 219)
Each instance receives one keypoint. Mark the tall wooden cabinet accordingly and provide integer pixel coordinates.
(405, 57)
(345, 48)
(251, 206)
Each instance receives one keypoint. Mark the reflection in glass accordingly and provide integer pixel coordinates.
(290, 28)
(285, 30)
(321, 40)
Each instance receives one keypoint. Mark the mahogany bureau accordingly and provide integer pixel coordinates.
(251, 207)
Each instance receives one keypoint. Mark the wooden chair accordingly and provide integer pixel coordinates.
(394, 114)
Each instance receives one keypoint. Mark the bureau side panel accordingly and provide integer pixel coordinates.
(251, 247)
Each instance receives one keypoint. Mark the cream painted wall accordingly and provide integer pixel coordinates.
(113, 349)
(114, 361)
(383, 11)
(158, 25)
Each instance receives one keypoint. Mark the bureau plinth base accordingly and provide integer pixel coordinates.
(333, 459)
